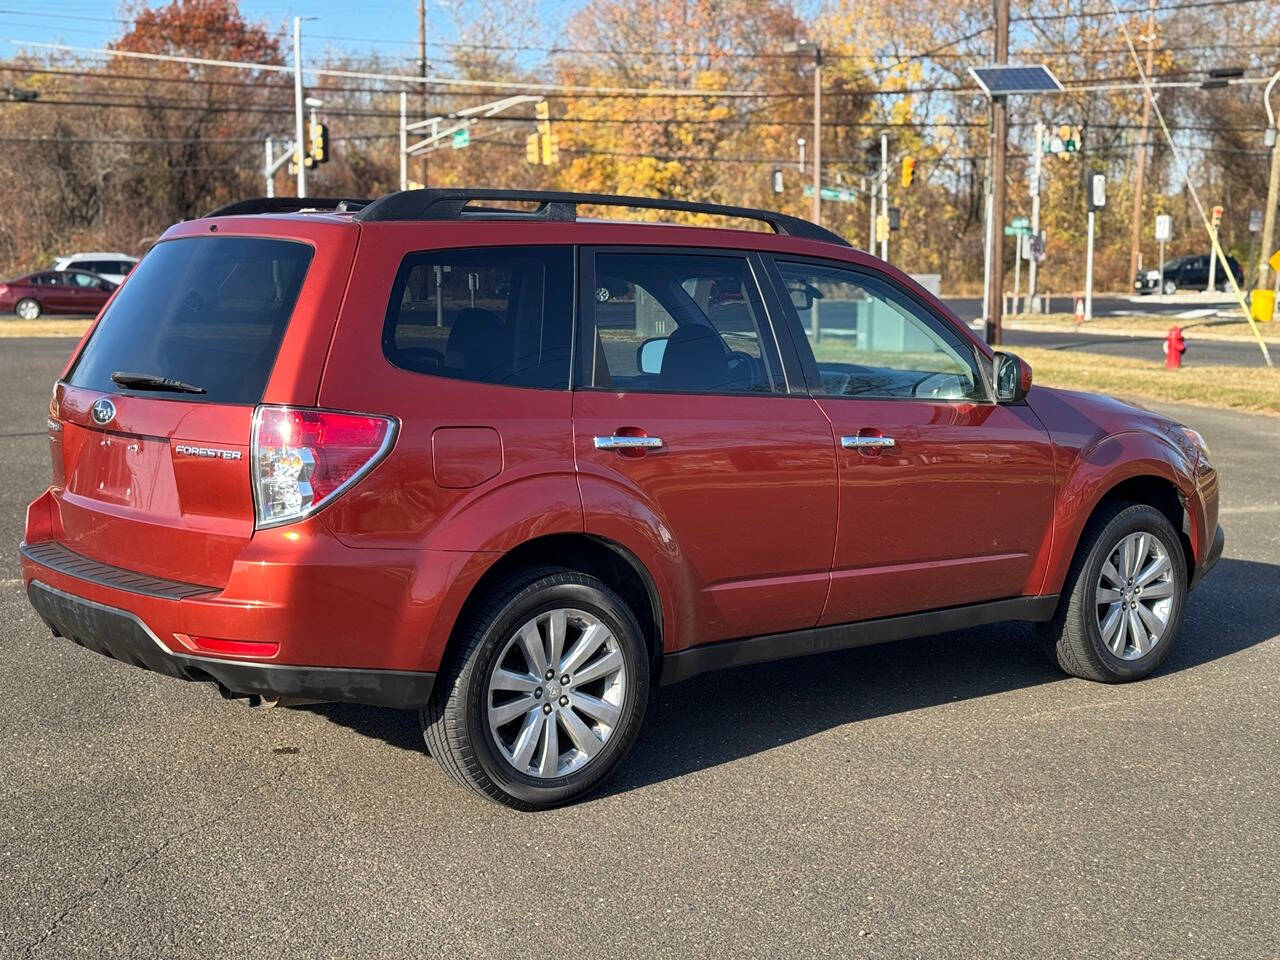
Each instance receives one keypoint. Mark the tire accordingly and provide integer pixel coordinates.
(1170, 287)
(27, 308)
(456, 723)
(1075, 638)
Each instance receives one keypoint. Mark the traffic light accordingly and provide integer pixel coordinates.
(895, 218)
(319, 148)
(542, 147)
(532, 148)
(776, 180)
(908, 170)
(550, 149)
(1217, 216)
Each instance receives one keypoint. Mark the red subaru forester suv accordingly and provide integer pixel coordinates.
(464, 452)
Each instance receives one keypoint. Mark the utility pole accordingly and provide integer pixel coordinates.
(1273, 185)
(1036, 170)
(404, 140)
(884, 194)
(299, 140)
(269, 171)
(1135, 236)
(999, 147)
(422, 70)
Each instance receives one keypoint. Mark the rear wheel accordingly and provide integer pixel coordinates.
(544, 692)
(1123, 598)
(27, 309)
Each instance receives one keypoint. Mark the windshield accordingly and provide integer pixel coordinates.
(207, 311)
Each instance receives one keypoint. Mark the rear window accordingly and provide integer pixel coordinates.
(210, 311)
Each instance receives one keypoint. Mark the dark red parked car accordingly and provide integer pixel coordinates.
(55, 291)
(512, 469)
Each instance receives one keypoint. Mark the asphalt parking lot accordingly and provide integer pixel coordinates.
(947, 797)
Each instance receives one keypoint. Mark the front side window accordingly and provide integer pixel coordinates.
(84, 280)
(499, 315)
(680, 323)
(870, 340)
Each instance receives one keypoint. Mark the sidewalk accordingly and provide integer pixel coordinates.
(1225, 325)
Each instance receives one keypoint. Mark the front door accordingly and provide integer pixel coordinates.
(945, 497)
(685, 428)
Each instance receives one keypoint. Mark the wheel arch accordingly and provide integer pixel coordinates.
(600, 557)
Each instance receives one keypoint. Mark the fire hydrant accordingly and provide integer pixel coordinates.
(1175, 345)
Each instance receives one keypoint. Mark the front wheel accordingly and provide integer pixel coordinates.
(1123, 597)
(27, 309)
(1170, 287)
(544, 691)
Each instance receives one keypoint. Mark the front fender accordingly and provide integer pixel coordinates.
(1099, 469)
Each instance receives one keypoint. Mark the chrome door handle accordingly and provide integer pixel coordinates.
(627, 443)
(864, 443)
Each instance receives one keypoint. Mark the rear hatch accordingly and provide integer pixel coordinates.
(151, 425)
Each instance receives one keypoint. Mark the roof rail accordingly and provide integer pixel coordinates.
(288, 205)
(453, 204)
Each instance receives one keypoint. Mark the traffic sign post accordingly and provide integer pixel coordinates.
(1164, 233)
(1213, 255)
(1097, 200)
(1038, 157)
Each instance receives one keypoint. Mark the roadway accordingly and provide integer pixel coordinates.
(950, 797)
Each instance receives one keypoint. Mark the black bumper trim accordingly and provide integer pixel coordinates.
(1212, 557)
(55, 556)
(122, 636)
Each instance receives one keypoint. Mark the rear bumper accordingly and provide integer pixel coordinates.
(124, 636)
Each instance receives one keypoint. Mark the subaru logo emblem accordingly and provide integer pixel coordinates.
(103, 411)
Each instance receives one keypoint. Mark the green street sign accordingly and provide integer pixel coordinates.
(839, 194)
(461, 138)
(1021, 227)
(1020, 223)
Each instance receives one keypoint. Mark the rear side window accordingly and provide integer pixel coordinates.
(210, 311)
(493, 314)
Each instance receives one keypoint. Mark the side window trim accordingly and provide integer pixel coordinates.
(757, 273)
(941, 326)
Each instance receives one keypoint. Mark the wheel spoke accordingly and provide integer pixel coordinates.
(510, 680)
(1139, 633)
(583, 737)
(1139, 553)
(587, 644)
(1111, 573)
(1152, 570)
(527, 741)
(1107, 595)
(550, 756)
(1126, 557)
(557, 624)
(1113, 629)
(606, 665)
(534, 652)
(1158, 591)
(509, 711)
(1152, 621)
(601, 710)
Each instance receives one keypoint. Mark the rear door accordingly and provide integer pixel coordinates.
(157, 481)
(945, 497)
(55, 296)
(685, 429)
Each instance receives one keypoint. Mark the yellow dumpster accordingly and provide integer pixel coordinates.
(1262, 305)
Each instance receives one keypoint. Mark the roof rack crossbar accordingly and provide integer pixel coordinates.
(454, 204)
(288, 205)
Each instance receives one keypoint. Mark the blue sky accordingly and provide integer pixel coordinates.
(387, 26)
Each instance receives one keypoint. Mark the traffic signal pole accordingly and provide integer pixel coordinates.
(884, 194)
(298, 121)
(1273, 187)
(817, 135)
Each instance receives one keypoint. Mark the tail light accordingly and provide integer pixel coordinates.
(4, 288)
(303, 458)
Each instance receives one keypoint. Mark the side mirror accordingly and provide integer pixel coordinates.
(1013, 378)
(649, 355)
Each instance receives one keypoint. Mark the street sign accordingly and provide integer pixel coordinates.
(1255, 221)
(461, 138)
(1164, 228)
(839, 194)
(1097, 191)
(1018, 227)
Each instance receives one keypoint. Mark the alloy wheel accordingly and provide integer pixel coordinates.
(28, 310)
(556, 692)
(1135, 594)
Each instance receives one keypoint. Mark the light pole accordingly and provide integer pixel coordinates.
(800, 45)
(1037, 170)
(1273, 184)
